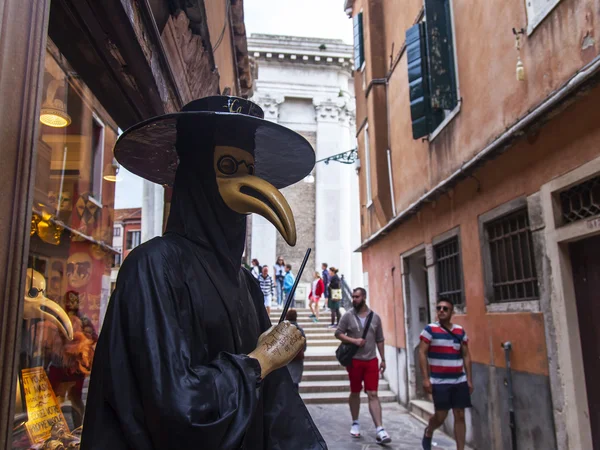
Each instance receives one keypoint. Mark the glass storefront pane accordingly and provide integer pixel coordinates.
(68, 272)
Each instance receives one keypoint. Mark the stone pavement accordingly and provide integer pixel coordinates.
(406, 431)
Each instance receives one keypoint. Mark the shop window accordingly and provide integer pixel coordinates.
(511, 258)
(449, 270)
(359, 46)
(431, 68)
(70, 257)
(133, 239)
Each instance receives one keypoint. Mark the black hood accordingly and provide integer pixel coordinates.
(198, 211)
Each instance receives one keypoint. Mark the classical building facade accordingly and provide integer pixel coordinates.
(478, 138)
(306, 84)
(72, 74)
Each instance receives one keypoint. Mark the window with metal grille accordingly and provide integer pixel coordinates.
(514, 276)
(581, 201)
(449, 271)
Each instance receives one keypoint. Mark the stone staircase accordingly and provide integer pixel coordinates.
(324, 379)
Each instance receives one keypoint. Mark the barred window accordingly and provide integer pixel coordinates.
(581, 201)
(512, 260)
(449, 270)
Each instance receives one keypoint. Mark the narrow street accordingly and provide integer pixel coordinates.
(405, 430)
(325, 388)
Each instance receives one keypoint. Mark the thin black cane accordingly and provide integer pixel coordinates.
(288, 302)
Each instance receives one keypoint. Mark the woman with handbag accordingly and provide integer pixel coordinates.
(334, 297)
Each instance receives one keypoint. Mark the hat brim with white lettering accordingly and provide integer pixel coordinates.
(281, 156)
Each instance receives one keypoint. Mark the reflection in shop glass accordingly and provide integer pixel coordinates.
(69, 266)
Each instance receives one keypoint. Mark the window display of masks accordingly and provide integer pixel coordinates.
(68, 271)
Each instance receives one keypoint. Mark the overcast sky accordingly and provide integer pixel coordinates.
(309, 18)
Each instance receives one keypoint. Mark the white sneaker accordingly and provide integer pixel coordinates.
(383, 437)
(355, 430)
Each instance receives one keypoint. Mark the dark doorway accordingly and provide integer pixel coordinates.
(585, 259)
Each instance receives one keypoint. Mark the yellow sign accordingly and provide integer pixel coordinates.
(43, 408)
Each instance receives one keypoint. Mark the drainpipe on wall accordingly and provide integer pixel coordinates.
(507, 346)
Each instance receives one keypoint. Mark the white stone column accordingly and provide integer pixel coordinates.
(152, 210)
(332, 234)
(264, 235)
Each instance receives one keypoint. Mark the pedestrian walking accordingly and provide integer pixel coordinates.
(365, 367)
(316, 291)
(296, 366)
(279, 268)
(326, 279)
(266, 285)
(334, 296)
(444, 358)
(256, 268)
(288, 283)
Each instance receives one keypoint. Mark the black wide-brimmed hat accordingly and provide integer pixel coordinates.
(282, 157)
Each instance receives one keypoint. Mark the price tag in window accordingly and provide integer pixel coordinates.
(43, 408)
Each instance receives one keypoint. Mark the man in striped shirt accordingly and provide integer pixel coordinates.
(266, 285)
(444, 358)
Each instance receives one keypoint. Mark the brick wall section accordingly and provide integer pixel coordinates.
(301, 197)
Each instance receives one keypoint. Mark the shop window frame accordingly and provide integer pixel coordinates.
(97, 156)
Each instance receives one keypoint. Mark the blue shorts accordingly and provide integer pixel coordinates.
(451, 396)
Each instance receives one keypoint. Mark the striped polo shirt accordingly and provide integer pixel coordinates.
(446, 364)
(266, 284)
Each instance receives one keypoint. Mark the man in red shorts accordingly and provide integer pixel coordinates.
(365, 367)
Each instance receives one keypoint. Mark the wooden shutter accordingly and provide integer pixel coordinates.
(417, 80)
(359, 50)
(442, 78)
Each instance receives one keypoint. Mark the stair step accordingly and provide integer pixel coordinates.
(342, 397)
(324, 375)
(321, 365)
(421, 409)
(332, 386)
(320, 334)
(321, 343)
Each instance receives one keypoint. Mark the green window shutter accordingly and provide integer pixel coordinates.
(417, 80)
(359, 49)
(442, 77)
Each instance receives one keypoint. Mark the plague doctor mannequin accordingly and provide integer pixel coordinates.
(186, 358)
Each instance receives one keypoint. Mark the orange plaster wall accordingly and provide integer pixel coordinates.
(486, 59)
(565, 143)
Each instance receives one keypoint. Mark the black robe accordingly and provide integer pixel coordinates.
(170, 370)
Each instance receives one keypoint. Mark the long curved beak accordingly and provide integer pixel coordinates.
(48, 310)
(250, 194)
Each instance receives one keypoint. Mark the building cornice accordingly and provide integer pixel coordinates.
(296, 49)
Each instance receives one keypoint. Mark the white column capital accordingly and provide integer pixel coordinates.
(329, 109)
(270, 105)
